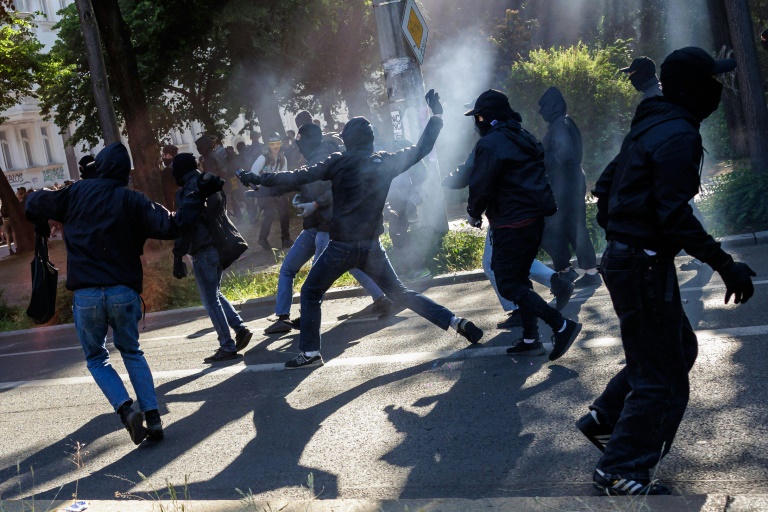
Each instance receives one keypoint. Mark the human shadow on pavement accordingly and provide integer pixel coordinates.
(461, 448)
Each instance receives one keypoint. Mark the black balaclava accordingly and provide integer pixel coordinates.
(309, 138)
(493, 106)
(303, 118)
(87, 166)
(183, 163)
(693, 90)
(358, 135)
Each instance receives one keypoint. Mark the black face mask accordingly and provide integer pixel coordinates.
(700, 95)
(483, 127)
(637, 81)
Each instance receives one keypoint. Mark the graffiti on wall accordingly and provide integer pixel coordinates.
(53, 174)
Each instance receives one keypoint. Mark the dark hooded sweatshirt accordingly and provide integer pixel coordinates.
(107, 224)
(562, 151)
(644, 192)
(359, 178)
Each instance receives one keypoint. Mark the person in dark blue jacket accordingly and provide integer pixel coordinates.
(360, 180)
(644, 206)
(106, 226)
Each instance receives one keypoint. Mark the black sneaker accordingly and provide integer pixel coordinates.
(242, 338)
(154, 425)
(220, 355)
(382, 307)
(522, 349)
(561, 341)
(265, 245)
(598, 432)
(287, 243)
(134, 424)
(513, 320)
(470, 331)
(616, 485)
(561, 289)
(302, 361)
(569, 275)
(280, 325)
(588, 280)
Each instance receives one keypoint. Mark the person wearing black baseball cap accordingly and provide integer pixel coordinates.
(643, 205)
(642, 75)
(509, 185)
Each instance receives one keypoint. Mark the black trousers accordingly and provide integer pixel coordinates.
(568, 227)
(274, 206)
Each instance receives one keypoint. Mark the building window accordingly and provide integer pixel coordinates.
(44, 9)
(47, 144)
(27, 145)
(5, 149)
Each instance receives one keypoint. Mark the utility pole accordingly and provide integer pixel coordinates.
(104, 107)
(409, 110)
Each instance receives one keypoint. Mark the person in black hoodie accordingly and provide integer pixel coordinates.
(568, 226)
(200, 244)
(315, 205)
(360, 181)
(509, 185)
(106, 226)
(643, 205)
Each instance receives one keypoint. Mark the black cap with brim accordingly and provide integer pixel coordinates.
(640, 63)
(489, 100)
(697, 59)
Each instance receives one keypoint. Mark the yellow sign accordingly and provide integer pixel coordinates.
(415, 30)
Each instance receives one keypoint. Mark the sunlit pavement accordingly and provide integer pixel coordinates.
(401, 410)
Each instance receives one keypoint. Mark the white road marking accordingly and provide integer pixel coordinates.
(408, 358)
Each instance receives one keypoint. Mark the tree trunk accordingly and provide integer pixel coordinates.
(732, 106)
(23, 233)
(750, 82)
(650, 42)
(124, 70)
(267, 107)
(356, 97)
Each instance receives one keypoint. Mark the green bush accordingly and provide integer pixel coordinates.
(600, 99)
(459, 250)
(735, 203)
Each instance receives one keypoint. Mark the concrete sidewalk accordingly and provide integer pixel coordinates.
(695, 503)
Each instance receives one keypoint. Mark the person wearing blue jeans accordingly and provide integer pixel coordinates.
(107, 225)
(360, 180)
(315, 206)
(200, 244)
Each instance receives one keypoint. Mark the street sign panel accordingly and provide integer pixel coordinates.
(415, 30)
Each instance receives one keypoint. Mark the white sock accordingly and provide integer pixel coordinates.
(563, 327)
(526, 340)
(594, 415)
(454, 323)
(310, 355)
(591, 271)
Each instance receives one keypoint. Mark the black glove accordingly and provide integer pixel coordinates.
(250, 178)
(179, 267)
(42, 229)
(738, 281)
(433, 100)
(208, 184)
(475, 223)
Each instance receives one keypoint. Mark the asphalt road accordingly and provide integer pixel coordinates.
(401, 409)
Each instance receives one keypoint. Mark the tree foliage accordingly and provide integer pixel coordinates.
(19, 62)
(600, 100)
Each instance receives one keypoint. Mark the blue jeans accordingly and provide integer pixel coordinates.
(208, 272)
(309, 243)
(119, 307)
(539, 272)
(646, 400)
(368, 256)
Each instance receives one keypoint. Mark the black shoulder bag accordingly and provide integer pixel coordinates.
(45, 277)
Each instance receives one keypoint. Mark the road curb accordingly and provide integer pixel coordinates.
(701, 503)
(743, 240)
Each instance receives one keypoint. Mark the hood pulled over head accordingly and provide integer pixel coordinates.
(183, 164)
(308, 139)
(113, 163)
(552, 104)
(358, 135)
(204, 144)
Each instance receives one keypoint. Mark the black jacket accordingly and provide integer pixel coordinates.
(644, 192)
(198, 236)
(562, 152)
(508, 182)
(107, 224)
(360, 181)
(319, 191)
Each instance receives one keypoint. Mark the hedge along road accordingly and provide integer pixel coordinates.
(401, 409)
